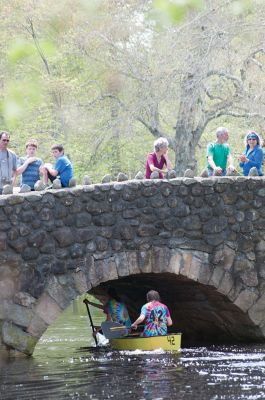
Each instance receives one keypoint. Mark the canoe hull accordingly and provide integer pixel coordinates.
(168, 343)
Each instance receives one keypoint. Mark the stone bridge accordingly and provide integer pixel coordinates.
(199, 241)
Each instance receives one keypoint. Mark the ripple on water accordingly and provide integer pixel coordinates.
(67, 366)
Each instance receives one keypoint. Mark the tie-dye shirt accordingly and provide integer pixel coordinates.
(118, 312)
(155, 323)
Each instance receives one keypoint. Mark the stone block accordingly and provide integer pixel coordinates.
(105, 270)
(171, 174)
(256, 312)
(197, 263)
(249, 277)
(160, 259)
(189, 173)
(246, 299)
(24, 299)
(19, 244)
(18, 314)
(121, 262)
(122, 177)
(106, 178)
(236, 289)
(205, 274)
(80, 282)
(133, 264)
(16, 338)
(226, 283)
(175, 262)
(216, 277)
(224, 257)
(7, 289)
(37, 326)
(145, 261)
(64, 236)
(139, 175)
(186, 264)
(147, 230)
(47, 309)
(83, 220)
(3, 241)
(30, 253)
(62, 294)
(86, 180)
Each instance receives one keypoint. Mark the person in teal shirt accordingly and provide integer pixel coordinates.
(219, 154)
(114, 308)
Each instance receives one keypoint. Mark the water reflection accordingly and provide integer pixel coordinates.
(67, 366)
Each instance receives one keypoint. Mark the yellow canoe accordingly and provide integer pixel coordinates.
(169, 343)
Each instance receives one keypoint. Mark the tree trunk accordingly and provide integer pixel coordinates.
(185, 152)
(187, 133)
(115, 145)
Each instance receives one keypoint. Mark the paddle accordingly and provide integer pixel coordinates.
(112, 330)
(91, 321)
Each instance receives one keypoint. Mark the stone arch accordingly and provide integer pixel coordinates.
(204, 303)
(206, 235)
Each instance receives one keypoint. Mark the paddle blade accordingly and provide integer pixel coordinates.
(112, 330)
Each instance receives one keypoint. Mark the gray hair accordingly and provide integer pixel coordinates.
(160, 143)
(221, 131)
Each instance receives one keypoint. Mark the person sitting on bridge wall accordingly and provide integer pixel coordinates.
(114, 308)
(63, 168)
(252, 155)
(158, 160)
(155, 315)
(29, 166)
(219, 154)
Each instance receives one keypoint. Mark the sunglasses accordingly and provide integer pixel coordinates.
(252, 138)
(5, 140)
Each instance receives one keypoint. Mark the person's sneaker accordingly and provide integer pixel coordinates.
(24, 188)
(7, 189)
(39, 185)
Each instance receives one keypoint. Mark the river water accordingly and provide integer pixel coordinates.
(65, 365)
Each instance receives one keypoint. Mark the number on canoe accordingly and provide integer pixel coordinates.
(171, 340)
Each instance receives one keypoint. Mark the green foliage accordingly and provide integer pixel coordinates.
(83, 73)
(19, 50)
(174, 11)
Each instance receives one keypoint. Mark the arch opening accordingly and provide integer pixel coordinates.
(200, 312)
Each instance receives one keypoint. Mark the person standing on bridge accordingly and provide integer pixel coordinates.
(219, 154)
(252, 155)
(155, 315)
(8, 161)
(158, 160)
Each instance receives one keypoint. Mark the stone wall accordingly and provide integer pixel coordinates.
(57, 244)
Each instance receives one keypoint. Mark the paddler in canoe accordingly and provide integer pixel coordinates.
(155, 315)
(114, 308)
